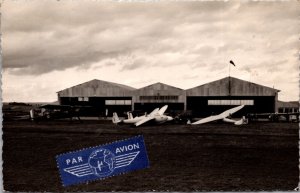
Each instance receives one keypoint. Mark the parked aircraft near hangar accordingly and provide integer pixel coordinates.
(159, 117)
(223, 116)
(156, 115)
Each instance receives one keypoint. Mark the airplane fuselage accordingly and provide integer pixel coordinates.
(134, 120)
(162, 118)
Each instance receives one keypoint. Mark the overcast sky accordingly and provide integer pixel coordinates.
(48, 46)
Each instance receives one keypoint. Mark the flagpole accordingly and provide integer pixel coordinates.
(229, 86)
(229, 83)
(229, 69)
(230, 62)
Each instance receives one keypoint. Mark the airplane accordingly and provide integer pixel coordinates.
(53, 111)
(130, 119)
(223, 116)
(157, 115)
(275, 117)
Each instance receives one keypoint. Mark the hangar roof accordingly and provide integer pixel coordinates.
(290, 104)
(96, 88)
(159, 88)
(230, 86)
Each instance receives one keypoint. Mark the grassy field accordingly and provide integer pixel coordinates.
(210, 157)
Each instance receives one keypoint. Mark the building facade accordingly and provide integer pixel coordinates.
(288, 107)
(203, 100)
(218, 96)
(105, 97)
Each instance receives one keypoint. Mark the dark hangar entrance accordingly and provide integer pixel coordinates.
(101, 106)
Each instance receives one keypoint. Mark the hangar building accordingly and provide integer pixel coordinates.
(203, 100)
(99, 94)
(218, 96)
(288, 107)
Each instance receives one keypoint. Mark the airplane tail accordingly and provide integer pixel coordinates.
(130, 115)
(115, 118)
(31, 112)
(189, 122)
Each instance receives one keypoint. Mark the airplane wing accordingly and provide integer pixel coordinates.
(231, 111)
(80, 170)
(162, 110)
(125, 159)
(146, 119)
(208, 119)
(154, 111)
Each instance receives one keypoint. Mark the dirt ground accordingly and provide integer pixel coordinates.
(211, 157)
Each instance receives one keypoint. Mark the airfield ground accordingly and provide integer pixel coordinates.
(210, 157)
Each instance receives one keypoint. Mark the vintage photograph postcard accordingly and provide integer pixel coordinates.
(144, 96)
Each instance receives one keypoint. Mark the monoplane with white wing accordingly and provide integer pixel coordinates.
(223, 116)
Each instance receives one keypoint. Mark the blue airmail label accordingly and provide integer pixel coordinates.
(102, 161)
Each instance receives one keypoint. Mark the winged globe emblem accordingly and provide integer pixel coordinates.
(102, 163)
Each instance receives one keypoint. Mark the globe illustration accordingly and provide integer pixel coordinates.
(102, 162)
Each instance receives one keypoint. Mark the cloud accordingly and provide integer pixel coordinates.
(139, 38)
(136, 63)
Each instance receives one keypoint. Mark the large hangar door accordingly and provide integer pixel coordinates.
(105, 106)
(148, 107)
(120, 105)
(206, 106)
(198, 106)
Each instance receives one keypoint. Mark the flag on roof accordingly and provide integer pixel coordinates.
(231, 62)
